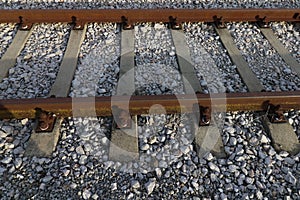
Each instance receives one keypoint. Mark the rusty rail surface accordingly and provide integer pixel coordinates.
(147, 15)
(102, 106)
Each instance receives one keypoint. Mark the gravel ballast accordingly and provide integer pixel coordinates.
(37, 64)
(7, 33)
(214, 68)
(168, 166)
(156, 70)
(289, 35)
(265, 62)
(252, 170)
(72, 4)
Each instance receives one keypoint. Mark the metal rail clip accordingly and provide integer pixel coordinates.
(174, 24)
(45, 121)
(273, 113)
(77, 25)
(24, 26)
(261, 22)
(205, 116)
(218, 21)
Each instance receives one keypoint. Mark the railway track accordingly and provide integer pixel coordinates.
(199, 102)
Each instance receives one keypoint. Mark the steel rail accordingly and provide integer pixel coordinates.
(30, 16)
(25, 108)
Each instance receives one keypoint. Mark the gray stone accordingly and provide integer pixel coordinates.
(2, 170)
(83, 159)
(208, 156)
(80, 150)
(163, 164)
(230, 130)
(183, 179)
(39, 168)
(232, 141)
(259, 195)
(195, 185)
(95, 196)
(232, 168)
(6, 160)
(18, 162)
(18, 150)
(289, 161)
(152, 139)
(184, 149)
(3, 134)
(291, 178)
(46, 179)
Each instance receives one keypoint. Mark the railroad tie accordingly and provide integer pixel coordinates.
(283, 137)
(190, 81)
(287, 141)
(207, 138)
(243, 68)
(124, 139)
(9, 58)
(275, 130)
(63, 81)
(281, 50)
(44, 143)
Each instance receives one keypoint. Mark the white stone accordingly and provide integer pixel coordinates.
(83, 159)
(145, 147)
(104, 140)
(3, 134)
(24, 121)
(86, 194)
(213, 167)
(150, 185)
(158, 172)
(114, 186)
(135, 184)
(79, 150)
(18, 162)
(264, 139)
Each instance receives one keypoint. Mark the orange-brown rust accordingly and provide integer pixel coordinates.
(25, 108)
(30, 16)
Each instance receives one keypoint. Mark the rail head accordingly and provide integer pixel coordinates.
(102, 106)
(30, 16)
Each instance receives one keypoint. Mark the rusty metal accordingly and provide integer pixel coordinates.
(205, 116)
(261, 22)
(219, 22)
(273, 113)
(102, 106)
(173, 24)
(30, 16)
(45, 121)
(24, 26)
(202, 115)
